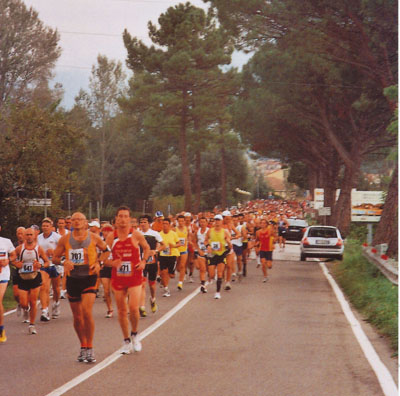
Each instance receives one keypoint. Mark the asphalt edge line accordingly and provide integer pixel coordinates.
(385, 379)
(117, 354)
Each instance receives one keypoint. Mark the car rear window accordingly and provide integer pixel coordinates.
(322, 233)
(298, 223)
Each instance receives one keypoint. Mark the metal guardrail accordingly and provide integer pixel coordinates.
(389, 267)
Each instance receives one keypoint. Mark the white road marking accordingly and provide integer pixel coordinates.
(117, 354)
(385, 379)
(10, 312)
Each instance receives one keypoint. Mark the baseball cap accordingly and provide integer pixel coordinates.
(218, 217)
(94, 224)
(226, 213)
(188, 214)
(159, 214)
(35, 227)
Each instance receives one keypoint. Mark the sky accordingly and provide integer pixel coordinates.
(91, 27)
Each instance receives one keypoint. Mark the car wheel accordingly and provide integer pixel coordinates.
(303, 257)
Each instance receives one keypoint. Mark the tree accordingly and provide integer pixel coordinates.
(28, 50)
(188, 45)
(106, 86)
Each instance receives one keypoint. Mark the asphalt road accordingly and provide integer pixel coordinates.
(286, 337)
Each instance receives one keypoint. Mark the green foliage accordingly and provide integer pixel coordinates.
(369, 291)
(174, 203)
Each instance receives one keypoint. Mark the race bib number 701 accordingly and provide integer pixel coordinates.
(77, 256)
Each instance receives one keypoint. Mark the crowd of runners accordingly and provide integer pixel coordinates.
(72, 257)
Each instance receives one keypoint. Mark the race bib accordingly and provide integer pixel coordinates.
(203, 247)
(77, 256)
(167, 251)
(215, 246)
(3, 255)
(182, 241)
(26, 268)
(125, 268)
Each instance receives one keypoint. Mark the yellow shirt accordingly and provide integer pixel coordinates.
(183, 238)
(217, 241)
(170, 238)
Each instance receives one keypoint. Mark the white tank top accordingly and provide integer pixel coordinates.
(28, 256)
(201, 239)
(238, 241)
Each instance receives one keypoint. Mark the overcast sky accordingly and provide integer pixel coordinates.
(90, 27)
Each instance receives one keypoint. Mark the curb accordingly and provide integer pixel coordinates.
(384, 266)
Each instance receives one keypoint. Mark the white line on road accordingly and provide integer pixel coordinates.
(10, 312)
(117, 354)
(385, 379)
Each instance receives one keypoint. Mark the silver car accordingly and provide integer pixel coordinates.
(322, 242)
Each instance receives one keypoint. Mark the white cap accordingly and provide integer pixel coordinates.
(94, 224)
(188, 214)
(226, 213)
(218, 217)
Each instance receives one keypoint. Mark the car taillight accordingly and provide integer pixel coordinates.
(304, 230)
(339, 242)
(305, 241)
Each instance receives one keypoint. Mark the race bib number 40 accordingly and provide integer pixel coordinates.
(125, 268)
(77, 256)
(27, 268)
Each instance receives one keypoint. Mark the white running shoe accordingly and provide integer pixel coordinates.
(127, 348)
(63, 294)
(137, 345)
(191, 280)
(45, 317)
(265, 280)
(31, 329)
(228, 286)
(217, 296)
(55, 312)
(167, 293)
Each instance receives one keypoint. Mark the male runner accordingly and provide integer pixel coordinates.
(156, 244)
(81, 267)
(192, 228)
(198, 240)
(169, 255)
(217, 239)
(7, 254)
(105, 273)
(183, 235)
(29, 254)
(158, 221)
(265, 243)
(48, 241)
(62, 230)
(20, 233)
(126, 277)
(230, 257)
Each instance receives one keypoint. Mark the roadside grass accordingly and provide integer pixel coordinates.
(8, 301)
(374, 296)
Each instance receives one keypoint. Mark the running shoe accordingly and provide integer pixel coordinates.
(258, 265)
(158, 279)
(180, 286)
(137, 345)
(167, 293)
(191, 280)
(90, 356)
(55, 310)
(82, 356)
(127, 348)
(217, 296)
(265, 280)
(3, 337)
(109, 314)
(19, 310)
(45, 317)
(203, 289)
(142, 312)
(228, 286)
(26, 316)
(31, 329)
(63, 294)
(154, 306)
(234, 277)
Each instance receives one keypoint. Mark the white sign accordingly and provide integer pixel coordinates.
(326, 211)
(39, 202)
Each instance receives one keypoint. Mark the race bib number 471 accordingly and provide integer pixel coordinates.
(125, 268)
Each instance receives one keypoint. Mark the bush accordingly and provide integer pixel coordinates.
(369, 291)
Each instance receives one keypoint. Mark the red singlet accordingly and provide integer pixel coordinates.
(126, 275)
(265, 240)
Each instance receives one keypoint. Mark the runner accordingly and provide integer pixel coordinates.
(28, 262)
(105, 274)
(200, 252)
(183, 235)
(237, 244)
(62, 230)
(230, 257)
(217, 238)
(20, 233)
(192, 228)
(126, 277)
(265, 243)
(48, 241)
(169, 255)
(283, 225)
(156, 244)
(81, 268)
(158, 221)
(7, 254)
(245, 242)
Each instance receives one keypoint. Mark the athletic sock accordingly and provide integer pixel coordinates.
(219, 283)
(203, 282)
(133, 333)
(127, 340)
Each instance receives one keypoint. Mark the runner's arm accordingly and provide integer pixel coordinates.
(43, 256)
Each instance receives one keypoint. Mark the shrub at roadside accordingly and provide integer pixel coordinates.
(369, 291)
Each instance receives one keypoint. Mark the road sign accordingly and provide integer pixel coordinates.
(325, 211)
(39, 202)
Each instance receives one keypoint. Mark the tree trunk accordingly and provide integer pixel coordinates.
(223, 168)
(102, 166)
(387, 231)
(197, 182)
(312, 181)
(187, 188)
